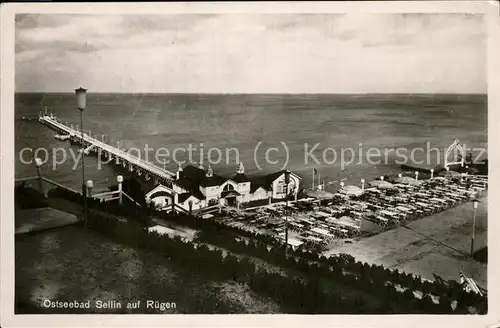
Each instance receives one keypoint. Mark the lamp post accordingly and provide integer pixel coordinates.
(432, 173)
(287, 182)
(474, 204)
(174, 201)
(90, 185)
(119, 179)
(416, 175)
(190, 203)
(81, 100)
(39, 163)
(148, 205)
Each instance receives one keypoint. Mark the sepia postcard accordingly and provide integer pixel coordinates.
(250, 164)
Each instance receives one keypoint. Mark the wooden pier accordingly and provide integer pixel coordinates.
(110, 153)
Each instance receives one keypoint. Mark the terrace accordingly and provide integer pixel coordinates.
(322, 224)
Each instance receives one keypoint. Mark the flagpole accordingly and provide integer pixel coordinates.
(313, 179)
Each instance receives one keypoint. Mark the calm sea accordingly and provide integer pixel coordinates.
(285, 127)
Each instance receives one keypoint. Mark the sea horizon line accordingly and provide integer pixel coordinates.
(268, 93)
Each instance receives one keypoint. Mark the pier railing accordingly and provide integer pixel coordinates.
(35, 178)
(104, 196)
(93, 144)
(100, 196)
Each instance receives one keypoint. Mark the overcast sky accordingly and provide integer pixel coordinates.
(395, 53)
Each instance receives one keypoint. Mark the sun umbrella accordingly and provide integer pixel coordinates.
(320, 194)
(407, 180)
(381, 184)
(351, 190)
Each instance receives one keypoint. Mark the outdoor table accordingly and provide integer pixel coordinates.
(387, 213)
(404, 209)
(314, 239)
(323, 214)
(320, 231)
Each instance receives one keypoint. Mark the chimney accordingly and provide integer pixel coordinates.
(179, 170)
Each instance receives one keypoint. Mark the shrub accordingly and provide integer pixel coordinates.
(27, 197)
(342, 268)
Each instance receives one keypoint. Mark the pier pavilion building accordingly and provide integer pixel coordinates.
(196, 187)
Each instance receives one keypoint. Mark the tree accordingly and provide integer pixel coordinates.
(408, 295)
(427, 305)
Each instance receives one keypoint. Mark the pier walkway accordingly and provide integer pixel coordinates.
(109, 152)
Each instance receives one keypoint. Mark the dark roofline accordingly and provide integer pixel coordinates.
(273, 176)
(240, 178)
(185, 196)
(195, 178)
(160, 193)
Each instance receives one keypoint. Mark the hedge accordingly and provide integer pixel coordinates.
(301, 295)
(128, 209)
(296, 294)
(371, 279)
(28, 198)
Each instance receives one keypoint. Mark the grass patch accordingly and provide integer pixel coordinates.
(73, 263)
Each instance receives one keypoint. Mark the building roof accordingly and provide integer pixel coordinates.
(160, 188)
(192, 178)
(259, 182)
(214, 180)
(185, 196)
(273, 176)
(185, 184)
(265, 181)
(160, 193)
(193, 174)
(240, 178)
